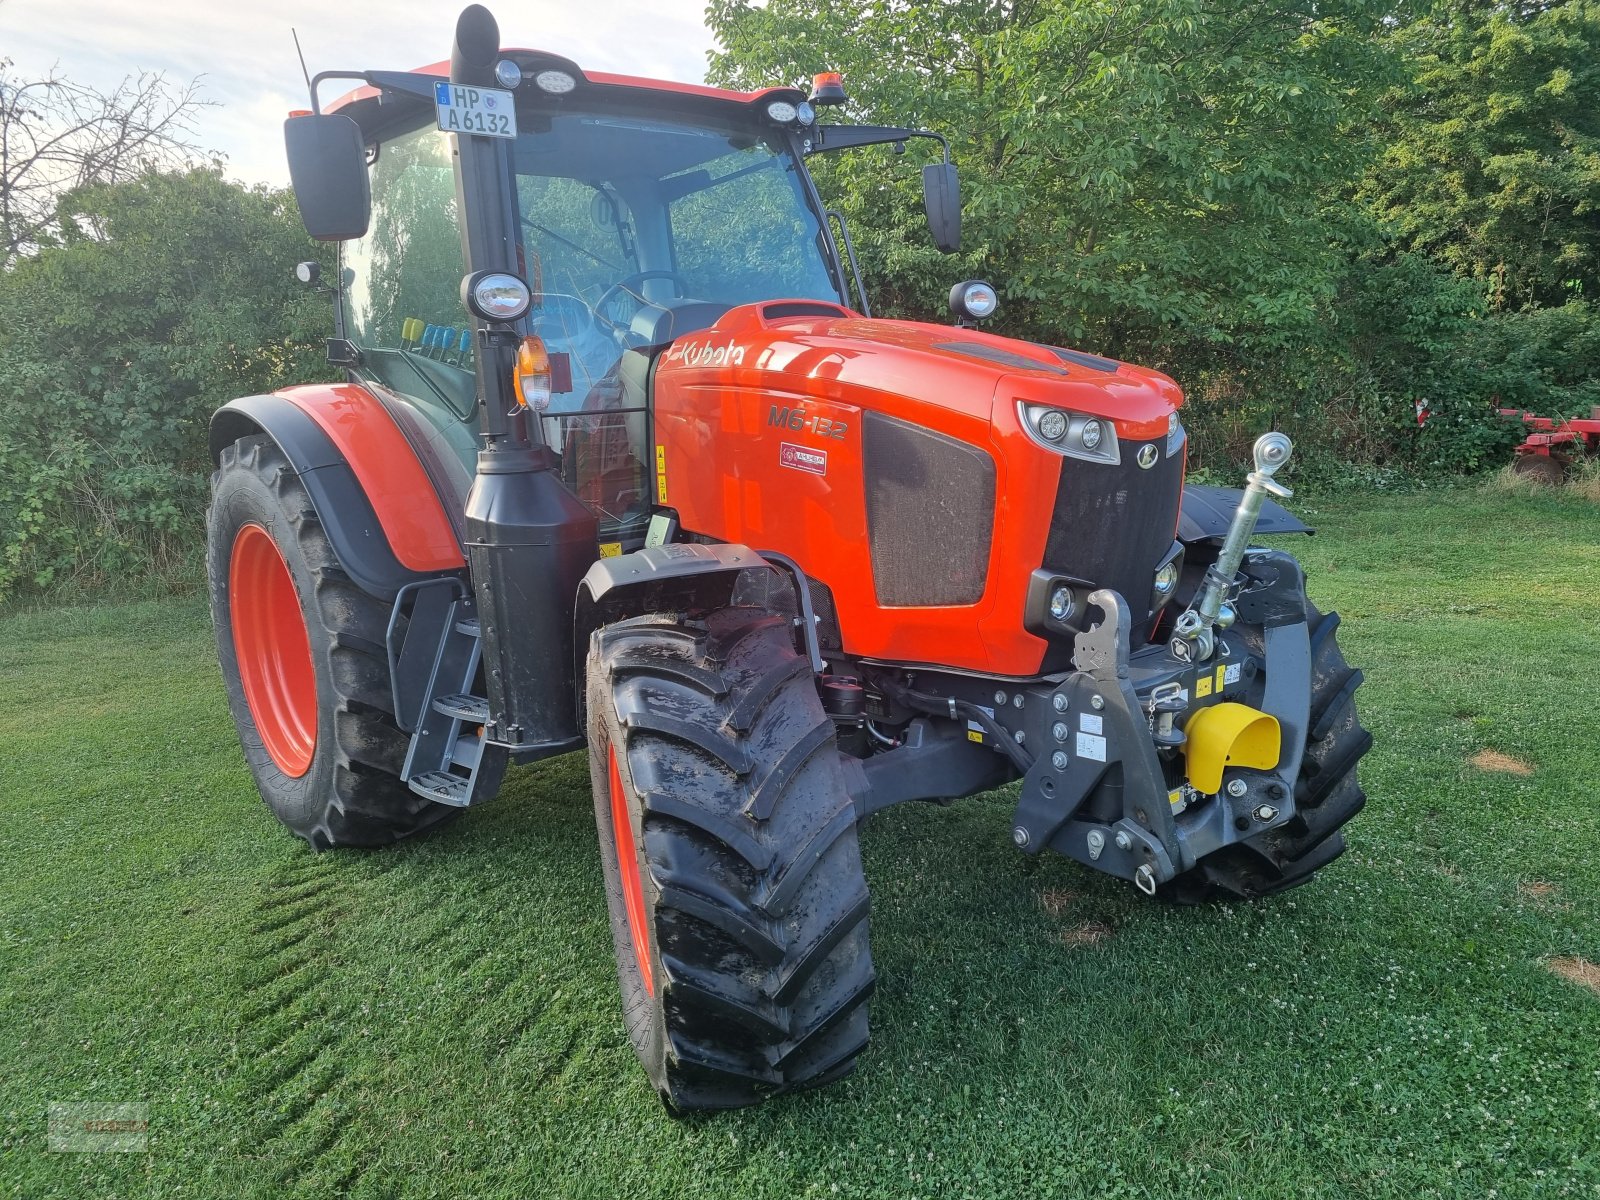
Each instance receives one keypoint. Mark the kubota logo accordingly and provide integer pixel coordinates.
(704, 354)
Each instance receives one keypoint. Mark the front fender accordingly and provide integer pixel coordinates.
(1208, 511)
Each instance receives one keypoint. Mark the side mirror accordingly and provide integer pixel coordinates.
(328, 170)
(941, 197)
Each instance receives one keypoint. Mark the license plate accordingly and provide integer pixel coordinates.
(486, 111)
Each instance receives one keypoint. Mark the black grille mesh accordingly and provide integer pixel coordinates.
(1113, 524)
(930, 513)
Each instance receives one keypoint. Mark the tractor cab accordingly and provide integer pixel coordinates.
(636, 215)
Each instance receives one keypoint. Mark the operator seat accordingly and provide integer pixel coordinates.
(604, 454)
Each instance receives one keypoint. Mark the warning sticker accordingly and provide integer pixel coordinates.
(610, 549)
(661, 474)
(1091, 723)
(1231, 673)
(1092, 747)
(1202, 686)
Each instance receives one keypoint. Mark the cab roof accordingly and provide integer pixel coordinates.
(531, 61)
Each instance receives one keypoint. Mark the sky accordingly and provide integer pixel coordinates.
(245, 56)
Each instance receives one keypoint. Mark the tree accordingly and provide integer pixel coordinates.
(1138, 176)
(56, 135)
(1493, 158)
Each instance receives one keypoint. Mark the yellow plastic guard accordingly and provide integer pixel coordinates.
(1229, 734)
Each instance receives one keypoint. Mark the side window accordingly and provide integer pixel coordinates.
(403, 280)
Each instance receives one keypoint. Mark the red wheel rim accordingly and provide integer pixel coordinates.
(628, 864)
(273, 650)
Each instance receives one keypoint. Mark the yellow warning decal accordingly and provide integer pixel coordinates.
(1175, 798)
(661, 474)
(610, 549)
(1202, 686)
(1222, 675)
(974, 736)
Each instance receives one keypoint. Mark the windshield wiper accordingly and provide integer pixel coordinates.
(532, 224)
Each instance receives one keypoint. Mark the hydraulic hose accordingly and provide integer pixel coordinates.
(949, 706)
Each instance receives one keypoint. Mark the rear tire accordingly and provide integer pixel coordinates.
(303, 661)
(728, 840)
(1327, 795)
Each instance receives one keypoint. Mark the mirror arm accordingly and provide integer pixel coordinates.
(316, 82)
(847, 137)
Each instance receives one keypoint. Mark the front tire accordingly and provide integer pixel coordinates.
(1327, 795)
(728, 841)
(303, 661)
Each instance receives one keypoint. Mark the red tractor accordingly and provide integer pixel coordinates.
(621, 462)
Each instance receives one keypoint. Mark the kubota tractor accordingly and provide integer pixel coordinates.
(621, 460)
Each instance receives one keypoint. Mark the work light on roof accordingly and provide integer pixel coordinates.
(557, 83)
(781, 111)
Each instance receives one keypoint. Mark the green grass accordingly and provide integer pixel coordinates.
(440, 1019)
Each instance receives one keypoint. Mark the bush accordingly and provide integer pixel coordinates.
(166, 297)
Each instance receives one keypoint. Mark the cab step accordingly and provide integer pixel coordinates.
(450, 760)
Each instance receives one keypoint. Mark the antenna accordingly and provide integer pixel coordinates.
(302, 55)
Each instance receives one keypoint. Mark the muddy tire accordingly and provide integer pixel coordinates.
(728, 840)
(1327, 795)
(303, 661)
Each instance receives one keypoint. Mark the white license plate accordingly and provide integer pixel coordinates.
(486, 111)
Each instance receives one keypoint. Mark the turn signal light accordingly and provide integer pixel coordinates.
(533, 375)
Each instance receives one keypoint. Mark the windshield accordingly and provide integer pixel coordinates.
(621, 212)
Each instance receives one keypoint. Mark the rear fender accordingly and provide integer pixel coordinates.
(379, 508)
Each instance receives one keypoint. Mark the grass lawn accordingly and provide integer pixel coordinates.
(441, 1019)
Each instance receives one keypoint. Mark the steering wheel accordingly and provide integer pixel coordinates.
(626, 284)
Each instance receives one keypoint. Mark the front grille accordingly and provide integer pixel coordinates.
(930, 513)
(1112, 525)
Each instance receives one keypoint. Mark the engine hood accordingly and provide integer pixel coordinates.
(965, 370)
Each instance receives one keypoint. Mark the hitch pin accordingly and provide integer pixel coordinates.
(1192, 637)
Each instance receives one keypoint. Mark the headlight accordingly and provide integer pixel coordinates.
(1166, 582)
(781, 111)
(1175, 435)
(1076, 435)
(805, 113)
(973, 300)
(1062, 604)
(496, 296)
